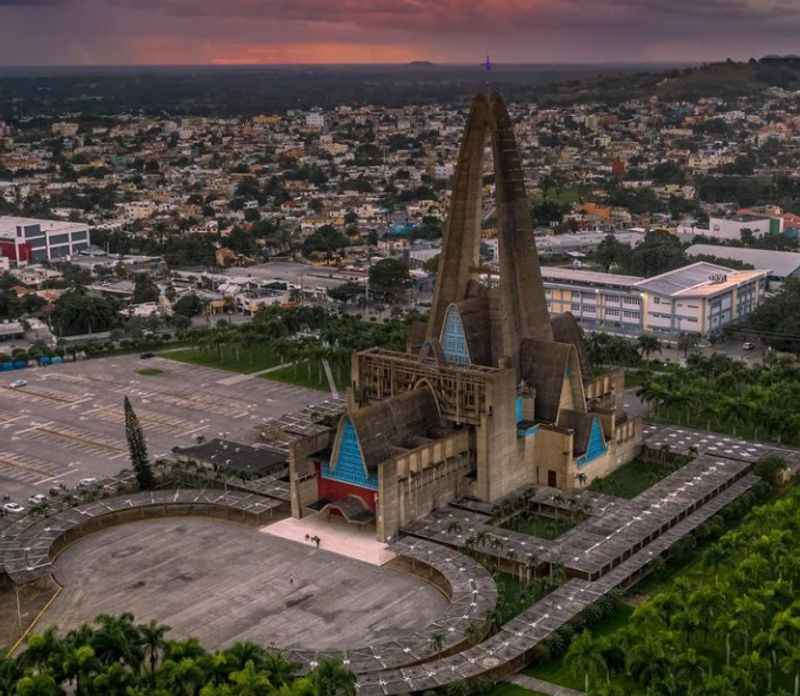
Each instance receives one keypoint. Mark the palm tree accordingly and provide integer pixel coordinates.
(648, 345)
(181, 678)
(250, 682)
(37, 685)
(330, 678)
(473, 632)
(437, 641)
(153, 640)
(77, 664)
(583, 657)
(790, 664)
(117, 639)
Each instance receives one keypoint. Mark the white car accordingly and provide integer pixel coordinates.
(88, 483)
(37, 499)
(15, 508)
(17, 384)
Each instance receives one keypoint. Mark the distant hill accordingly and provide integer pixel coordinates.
(421, 64)
(726, 79)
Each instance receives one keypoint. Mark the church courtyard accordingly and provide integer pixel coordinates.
(222, 582)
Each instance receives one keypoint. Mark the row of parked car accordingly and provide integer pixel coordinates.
(11, 507)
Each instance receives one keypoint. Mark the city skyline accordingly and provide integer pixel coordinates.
(94, 32)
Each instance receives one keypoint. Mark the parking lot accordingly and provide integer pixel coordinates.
(67, 422)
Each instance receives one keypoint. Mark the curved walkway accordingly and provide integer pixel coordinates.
(511, 648)
(29, 546)
(472, 593)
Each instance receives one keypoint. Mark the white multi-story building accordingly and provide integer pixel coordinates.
(315, 120)
(28, 240)
(731, 228)
(699, 299)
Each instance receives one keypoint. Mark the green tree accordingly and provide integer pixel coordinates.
(648, 345)
(144, 289)
(189, 306)
(389, 278)
(584, 658)
(330, 678)
(78, 312)
(137, 448)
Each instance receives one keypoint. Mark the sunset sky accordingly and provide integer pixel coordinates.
(85, 32)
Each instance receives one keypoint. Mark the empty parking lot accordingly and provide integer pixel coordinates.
(67, 422)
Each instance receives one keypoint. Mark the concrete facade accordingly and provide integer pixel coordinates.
(493, 393)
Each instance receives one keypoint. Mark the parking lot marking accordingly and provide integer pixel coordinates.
(195, 430)
(55, 478)
(34, 426)
(25, 469)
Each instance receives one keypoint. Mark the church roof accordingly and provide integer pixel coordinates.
(567, 330)
(581, 424)
(543, 365)
(395, 422)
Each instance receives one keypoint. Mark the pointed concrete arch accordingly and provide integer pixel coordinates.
(523, 305)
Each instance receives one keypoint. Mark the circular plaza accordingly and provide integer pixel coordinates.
(222, 582)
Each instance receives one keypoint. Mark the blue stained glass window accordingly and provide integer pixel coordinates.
(454, 340)
(349, 464)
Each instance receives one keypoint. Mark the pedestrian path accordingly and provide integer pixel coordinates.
(238, 379)
(543, 687)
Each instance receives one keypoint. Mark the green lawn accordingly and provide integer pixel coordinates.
(561, 196)
(303, 375)
(636, 476)
(259, 358)
(251, 359)
(539, 525)
(149, 372)
(557, 671)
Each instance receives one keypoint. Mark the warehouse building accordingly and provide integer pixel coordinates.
(28, 240)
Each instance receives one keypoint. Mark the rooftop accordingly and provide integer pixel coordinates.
(9, 224)
(696, 280)
(237, 457)
(590, 277)
(780, 263)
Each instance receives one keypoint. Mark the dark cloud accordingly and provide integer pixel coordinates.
(458, 30)
(31, 3)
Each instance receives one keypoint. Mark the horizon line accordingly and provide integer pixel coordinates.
(235, 64)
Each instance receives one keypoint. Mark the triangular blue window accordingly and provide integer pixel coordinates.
(349, 466)
(454, 340)
(597, 445)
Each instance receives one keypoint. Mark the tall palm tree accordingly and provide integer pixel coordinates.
(181, 678)
(78, 662)
(790, 664)
(250, 682)
(583, 657)
(152, 635)
(330, 678)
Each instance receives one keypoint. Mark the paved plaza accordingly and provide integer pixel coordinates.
(221, 582)
(67, 422)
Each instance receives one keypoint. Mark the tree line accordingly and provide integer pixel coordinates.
(731, 626)
(116, 656)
